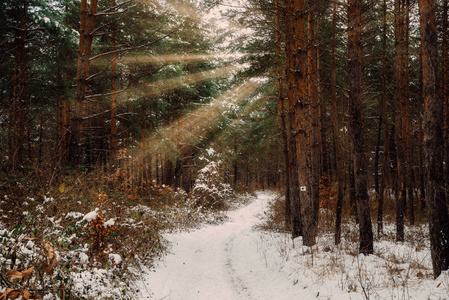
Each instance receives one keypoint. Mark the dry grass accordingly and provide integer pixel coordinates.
(51, 207)
(399, 268)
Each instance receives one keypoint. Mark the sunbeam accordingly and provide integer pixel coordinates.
(192, 13)
(172, 58)
(189, 129)
(165, 85)
(183, 9)
(149, 59)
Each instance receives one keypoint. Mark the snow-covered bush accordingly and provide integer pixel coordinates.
(210, 190)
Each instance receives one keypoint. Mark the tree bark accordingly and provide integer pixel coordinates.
(407, 118)
(433, 135)
(282, 121)
(445, 85)
(422, 182)
(401, 192)
(315, 142)
(356, 125)
(87, 23)
(113, 146)
(17, 135)
(335, 131)
(386, 124)
(296, 59)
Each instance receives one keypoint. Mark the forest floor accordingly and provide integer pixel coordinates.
(240, 260)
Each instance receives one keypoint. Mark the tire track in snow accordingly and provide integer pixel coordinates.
(236, 281)
(208, 263)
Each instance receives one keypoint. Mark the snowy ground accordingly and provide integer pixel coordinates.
(235, 260)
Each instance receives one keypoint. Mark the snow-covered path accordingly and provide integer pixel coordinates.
(218, 262)
(234, 261)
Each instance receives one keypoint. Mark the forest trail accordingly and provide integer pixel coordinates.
(219, 262)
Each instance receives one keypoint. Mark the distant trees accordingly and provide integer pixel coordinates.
(30, 76)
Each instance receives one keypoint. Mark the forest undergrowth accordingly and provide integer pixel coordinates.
(396, 270)
(90, 235)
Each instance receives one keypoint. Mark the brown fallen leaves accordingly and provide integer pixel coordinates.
(16, 293)
(14, 274)
(47, 264)
(51, 259)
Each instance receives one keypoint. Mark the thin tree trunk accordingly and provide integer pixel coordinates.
(142, 167)
(321, 100)
(376, 169)
(314, 118)
(399, 121)
(422, 185)
(113, 146)
(41, 138)
(445, 84)
(19, 106)
(386, 124)
(158, 177)
(12, 116)
(64, 124)
(335, 131)
(408, 142)
(236, 165)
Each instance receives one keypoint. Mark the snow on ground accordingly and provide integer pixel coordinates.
(235, 260)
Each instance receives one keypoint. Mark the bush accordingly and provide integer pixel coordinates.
(210, 190)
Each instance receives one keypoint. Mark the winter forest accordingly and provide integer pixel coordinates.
(224, 149)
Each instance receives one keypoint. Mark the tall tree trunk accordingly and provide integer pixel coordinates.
(41, 139)
(407, 117)
(235, 164)
(282, 121)
(445, 85)
(356, 125)
(433, 135)
(335, 131)
(376, 169)
(385, 121)
(142, 167)
(22, 84)
(65, 110)
(422, 182)
(157, 164)
(87, 23)
(296, 59)
(113, 146)
(19, 107)
(314, 118)
(12, 116)
(399, 121)
(321, 100)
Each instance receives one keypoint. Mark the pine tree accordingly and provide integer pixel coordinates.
(356, 125)
(433, 135)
